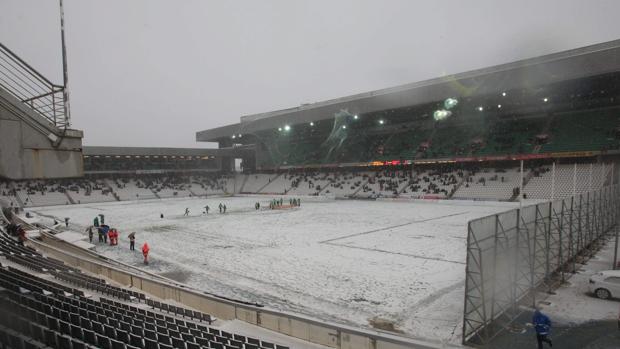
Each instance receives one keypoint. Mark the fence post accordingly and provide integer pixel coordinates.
(561, 247)
(571, 238)
(547, 247)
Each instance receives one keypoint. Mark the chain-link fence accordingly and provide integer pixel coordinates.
(513, 254)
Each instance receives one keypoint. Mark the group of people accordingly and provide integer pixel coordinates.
(275, 203)
(113, 234)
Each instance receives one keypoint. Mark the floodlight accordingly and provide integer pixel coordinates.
(450, 103)
(287, 128)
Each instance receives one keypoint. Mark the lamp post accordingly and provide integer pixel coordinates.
(65, 74)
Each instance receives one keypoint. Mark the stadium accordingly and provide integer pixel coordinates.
(427, 215)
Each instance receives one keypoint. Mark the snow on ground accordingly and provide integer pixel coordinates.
(572, 304)
(344, 261)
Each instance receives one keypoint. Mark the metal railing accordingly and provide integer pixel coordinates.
(33, 89)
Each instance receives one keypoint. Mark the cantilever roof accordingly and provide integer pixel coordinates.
(562, 66)
(154, 151)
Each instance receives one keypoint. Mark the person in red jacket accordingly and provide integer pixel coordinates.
(145, 252)
(21, 235)
(113, 235)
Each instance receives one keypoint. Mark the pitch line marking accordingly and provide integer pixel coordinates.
(390, 227)
(397, 253)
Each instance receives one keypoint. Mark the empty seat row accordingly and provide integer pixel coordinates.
(192, 314)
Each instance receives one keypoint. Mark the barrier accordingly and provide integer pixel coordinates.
(513, 254)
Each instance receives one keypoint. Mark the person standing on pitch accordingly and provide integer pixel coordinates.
(145, 252)
(220, 207)
(90, 234)
(207, 209)
(67, 222)
(542, 325)
(132, 241)
(186, 212)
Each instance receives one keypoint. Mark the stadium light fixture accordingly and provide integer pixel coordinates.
(239, 135)
(450, 103)
(287, 128)
(545, 99)
(344, 127)
(311, 123)
(280, 129)
(355, 117)
(233, 136)
(480, 108)
(499, 106)
(503, 94)
(381, 122)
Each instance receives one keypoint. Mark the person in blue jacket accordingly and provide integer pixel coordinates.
(542, 325)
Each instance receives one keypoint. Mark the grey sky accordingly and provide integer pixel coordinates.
(152, 73)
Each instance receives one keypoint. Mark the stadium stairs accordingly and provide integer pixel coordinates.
(459, 184)
(355, 193)
(73, 202)
(271, 182)
(155, 193)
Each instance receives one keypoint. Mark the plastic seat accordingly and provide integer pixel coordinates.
(109, 331)
(178, 343)
(89, 337)
(150, 334)
(37, 332)
(192, 345)
(50, 337)
(150, 344)
(202, 341)
(75, 344)
(135, 340)
(118, 344)
(65, 328)
(103, 342)
(76, 332)
(122, 336)
(52, 323)
(267, 345)
(63, 341)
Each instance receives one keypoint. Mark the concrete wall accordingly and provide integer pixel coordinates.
(25, 149)
(308, 329)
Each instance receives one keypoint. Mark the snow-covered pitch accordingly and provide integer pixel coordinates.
(352, 262)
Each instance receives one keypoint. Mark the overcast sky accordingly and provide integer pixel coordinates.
(153, 72)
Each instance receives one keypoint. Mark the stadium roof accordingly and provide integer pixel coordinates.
(573, 64)
(147, 151)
